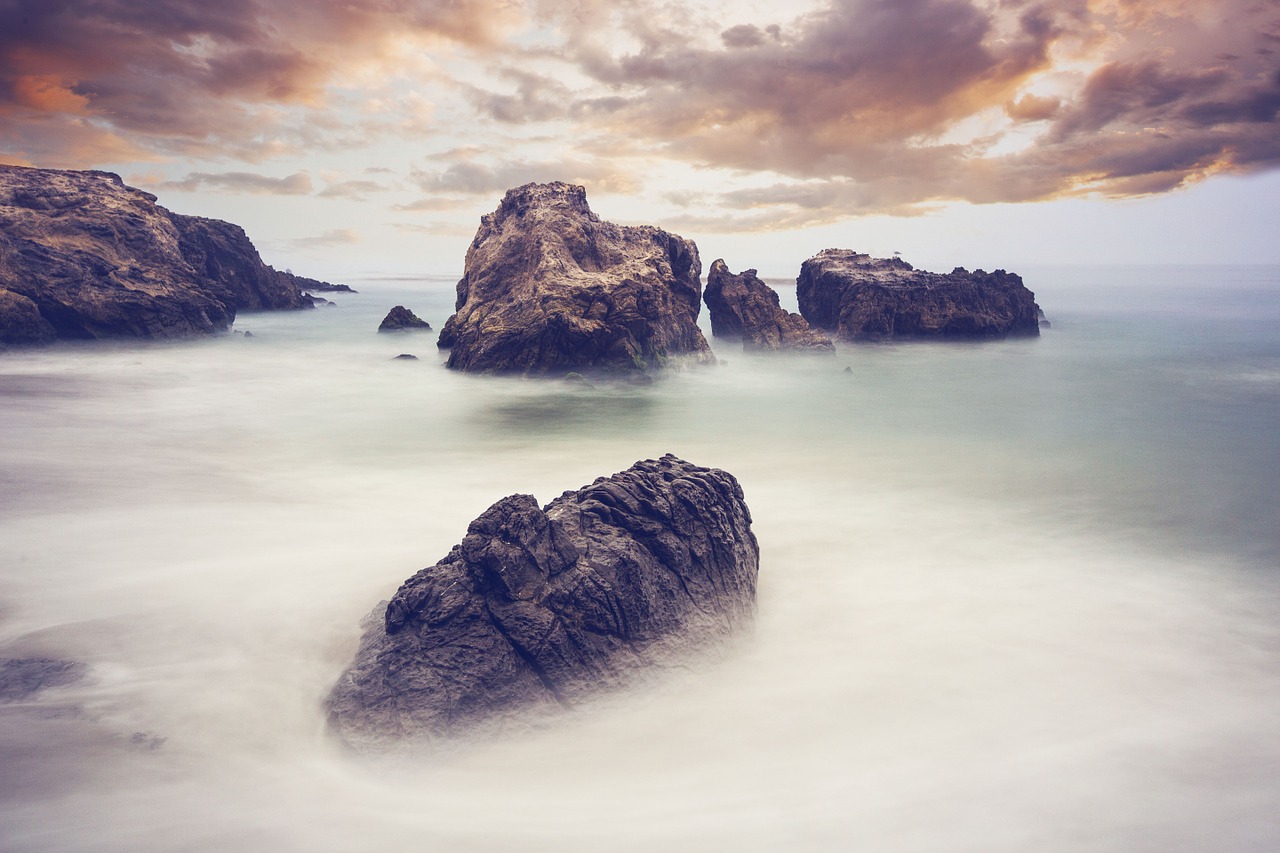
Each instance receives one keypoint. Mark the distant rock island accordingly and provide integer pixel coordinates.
(401, 319)
(861, 298)
(549, 288)
(538, 608)
(743, 306)
(84, 256)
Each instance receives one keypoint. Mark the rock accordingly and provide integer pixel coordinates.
(861, 298)
(538, 608)
(100, 259)
(405, 356)
(743, 306)
(549, 288)
(314, 286)
(401, 319)
(21, 678)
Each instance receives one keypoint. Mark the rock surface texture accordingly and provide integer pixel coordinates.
(861, 298)
(401, 319)
(743, 306)
(99, 259)
(549, 288)
(540, 607)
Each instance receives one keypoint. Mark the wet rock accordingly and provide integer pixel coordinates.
(540, 607)
(401, 319)
(743, 306)
(549, 288)
(861, 298)
(100, 259)
(405, 356)
(21, 678)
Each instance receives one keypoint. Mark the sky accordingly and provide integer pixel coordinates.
(367, 137)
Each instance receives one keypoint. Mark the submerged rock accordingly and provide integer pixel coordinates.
(98, 259)
(541, 607)
(861, 298)
(21, 678)
(401, 319)
(549, 288)
(743, 306)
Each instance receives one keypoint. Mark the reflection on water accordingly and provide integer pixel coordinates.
(1013, 596)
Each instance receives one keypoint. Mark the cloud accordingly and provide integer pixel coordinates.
(336, 237)
(299, 183)
(199, 77)
(353, 189)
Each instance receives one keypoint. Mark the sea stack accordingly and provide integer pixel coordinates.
(549, 288)
(860, 298)
(540, 607)
(742, 306)
(84, 256)
(401, 319)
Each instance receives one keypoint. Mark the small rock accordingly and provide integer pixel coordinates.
(401, 319)
(405, 356)
(21, 678)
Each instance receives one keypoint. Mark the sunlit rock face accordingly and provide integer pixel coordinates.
(549, 288)
(96, 259)
(743, 306)
(861, 298)
(538, 608)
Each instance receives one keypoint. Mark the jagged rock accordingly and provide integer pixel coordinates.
(401, 319)
(743, 306)
(101, 259)
(315, 286)
(549, 288)
(861, 298)
(540, 607)
(21, 678)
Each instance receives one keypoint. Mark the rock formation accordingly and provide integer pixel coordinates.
(100, 259)
(539, 607)
(401, 319)
(743, 306)
(861, 298)
(549, 288)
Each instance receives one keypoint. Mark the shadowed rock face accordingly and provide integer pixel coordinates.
(861, 298)
(401, 319)
(539, 607)
(100, 259)
(549, 288)
(743, 306)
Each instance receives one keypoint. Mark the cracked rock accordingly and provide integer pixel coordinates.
(541, 607)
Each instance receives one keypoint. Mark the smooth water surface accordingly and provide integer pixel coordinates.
(1013, 596)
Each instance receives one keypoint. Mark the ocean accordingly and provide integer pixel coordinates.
(1018, 595)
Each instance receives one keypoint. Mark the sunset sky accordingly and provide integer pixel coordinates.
(369, 136)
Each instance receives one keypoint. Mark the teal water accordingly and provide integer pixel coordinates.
(1016, 595)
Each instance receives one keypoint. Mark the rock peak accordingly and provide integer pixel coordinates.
(556, 194)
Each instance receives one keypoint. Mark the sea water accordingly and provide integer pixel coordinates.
(1018, 595)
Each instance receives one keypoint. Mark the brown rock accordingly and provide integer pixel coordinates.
(549, 288)
(861, 298)
(743, 306)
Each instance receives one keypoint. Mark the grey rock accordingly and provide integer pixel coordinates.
(21, 678)
(743, 306)
(861, 298)
(539, 608)
(549, 288)
(401, 319)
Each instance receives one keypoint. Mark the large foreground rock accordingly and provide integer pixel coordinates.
(96, 258)
(861, 298)
(549, 288)
(540, 607)
(743, 306)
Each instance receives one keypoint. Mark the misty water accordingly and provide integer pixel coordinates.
(1013, 596)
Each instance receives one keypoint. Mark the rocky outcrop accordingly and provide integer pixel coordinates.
(538, 608)
(861, 298)
(549, 288)
(101, 259)
(743, 306)
(401, 319)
